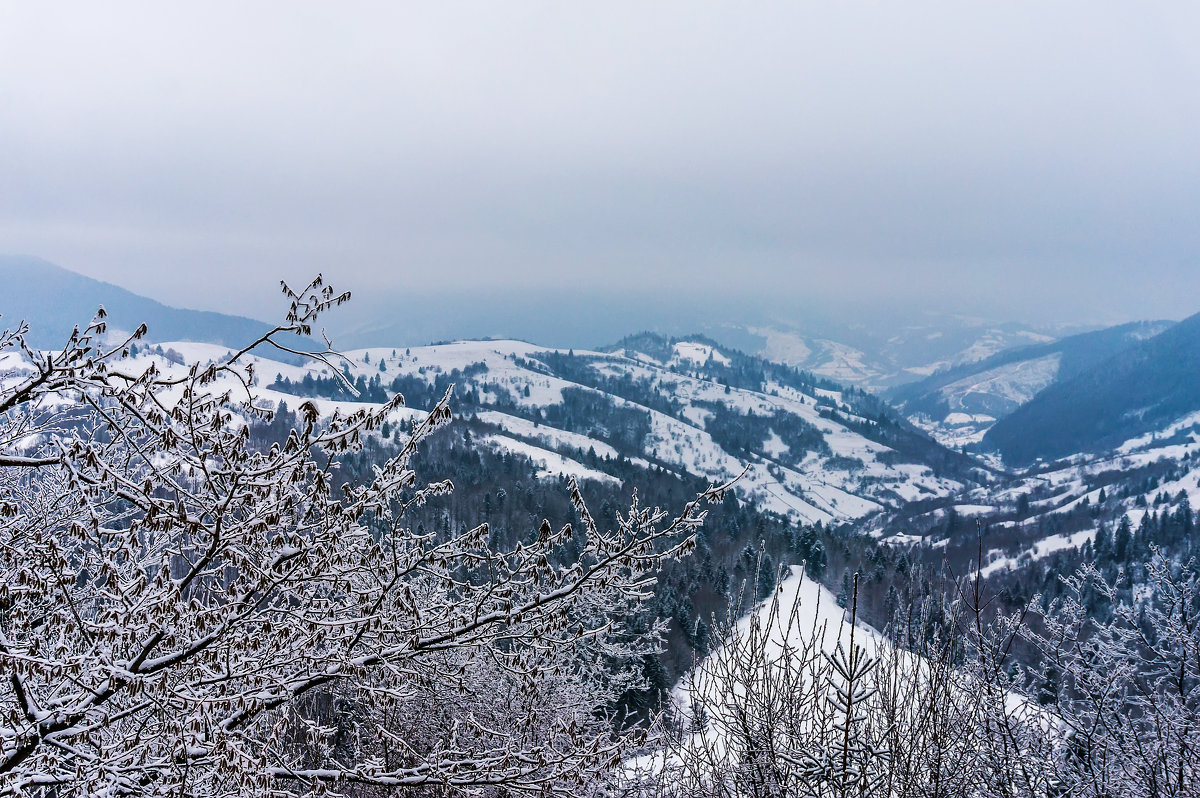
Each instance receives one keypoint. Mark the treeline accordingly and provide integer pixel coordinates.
(745, 433)
(650, 393)
(418, 392)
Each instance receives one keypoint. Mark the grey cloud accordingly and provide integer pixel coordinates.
(1022, 159)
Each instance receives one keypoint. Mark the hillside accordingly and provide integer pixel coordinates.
(891, 351)
(866, 347)
(682, 410)
(1136, 391)
(1033, 516)
(814, 451)
(662, 417)
(958, 405)
(55, 300)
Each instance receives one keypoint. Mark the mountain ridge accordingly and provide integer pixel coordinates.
(54, 300)
(1135, 391)
(959, 404)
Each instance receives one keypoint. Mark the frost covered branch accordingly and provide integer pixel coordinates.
(184, 612)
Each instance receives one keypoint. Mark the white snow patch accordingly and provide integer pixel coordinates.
(1043, 548)
(697, 353)
(550, 436)
(552, 463)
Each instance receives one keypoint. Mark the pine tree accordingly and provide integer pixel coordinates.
(817, 559)
(844, 589)
(1121, 539)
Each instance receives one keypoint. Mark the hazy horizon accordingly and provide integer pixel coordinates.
(563, 318)
(1019, 162)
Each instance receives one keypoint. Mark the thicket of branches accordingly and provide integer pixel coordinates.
(1111, 709)
(184, 613)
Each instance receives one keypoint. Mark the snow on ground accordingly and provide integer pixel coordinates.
(504, 371)
(783, 347)
(810, 490)
(929, 368)
(995, 341)
(1014, 382)
(327, 407)
(1073, 485)
(547, 435)
(552, 463)
(692, 352)
(697, 415)
(800, 610)
(1189, 485)
(962, 419)
(774, 447)
(1043, 548)
(843, 363)
(812, 493)
(821, 356)
(953, 436)
(816, 614)
(974, 509)
(1071, 482)
(1149, 439)
(795, 631)
(1006, 386)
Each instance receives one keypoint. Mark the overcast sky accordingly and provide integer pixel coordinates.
(1029, 160)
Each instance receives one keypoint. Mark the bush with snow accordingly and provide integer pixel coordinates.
(184, 613)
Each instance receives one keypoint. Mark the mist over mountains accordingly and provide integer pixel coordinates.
(1137, 390)
(734, 400)
(868, 346)
(959, 405)
(1021, 391)
(839, 418)
(55, 300)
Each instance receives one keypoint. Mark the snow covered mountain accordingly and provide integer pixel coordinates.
(1146, 486)
(1110, 502)
(1140, 389)
(888, 352)
(811, 450)
(1103, 464)
(959, 405)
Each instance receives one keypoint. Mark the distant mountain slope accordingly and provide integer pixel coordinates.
(814, 451)
(958, 405)
(54, 300)
(1138, 390)
(865, 346)
(888, 351)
